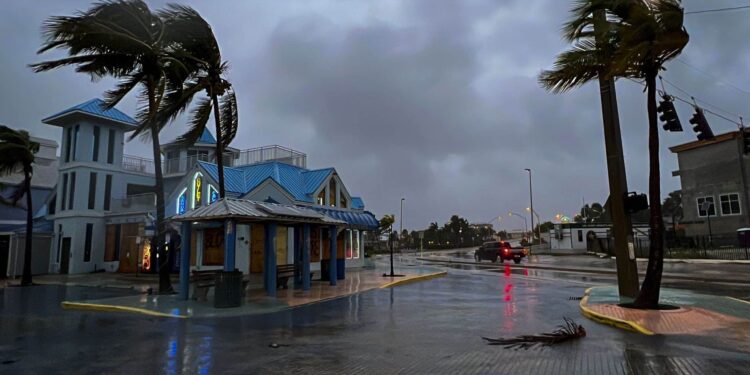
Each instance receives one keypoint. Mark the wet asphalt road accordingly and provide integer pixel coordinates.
(431, 327)
(725, 279)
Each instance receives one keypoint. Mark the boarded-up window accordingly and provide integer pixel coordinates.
(193, 247)
(340, 245)
(112, 243)
(281, 245)
(257, 241)
(213, 247)
(314, 245)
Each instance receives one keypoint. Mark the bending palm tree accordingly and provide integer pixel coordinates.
(125, 40)
(639, 37)
(16, 155)
(197, 47)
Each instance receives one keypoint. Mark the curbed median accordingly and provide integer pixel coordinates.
(414, 279)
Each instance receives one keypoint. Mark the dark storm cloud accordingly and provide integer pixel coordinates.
(435, 101)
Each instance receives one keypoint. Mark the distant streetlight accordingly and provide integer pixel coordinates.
(401, 220)
(525, 223)
(531, 203)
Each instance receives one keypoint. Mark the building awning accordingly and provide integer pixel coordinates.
(243, 210)
(357, 219)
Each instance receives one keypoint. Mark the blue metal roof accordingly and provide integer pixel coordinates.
(96, 107)
(207, 137)
(358, 203)
(362, 219)
(300, 183)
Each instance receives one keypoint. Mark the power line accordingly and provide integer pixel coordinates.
(718, 10)
(712, 76)
(697, 100)
(662, 92)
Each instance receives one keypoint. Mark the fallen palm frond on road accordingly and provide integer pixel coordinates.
(569, 331)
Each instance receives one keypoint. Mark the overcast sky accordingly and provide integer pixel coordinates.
(434, 101)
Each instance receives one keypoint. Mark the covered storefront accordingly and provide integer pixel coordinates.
(257, 237)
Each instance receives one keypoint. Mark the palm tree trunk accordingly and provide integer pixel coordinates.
(26, 278)
(648, 297)
(219, 145)
(165, 284)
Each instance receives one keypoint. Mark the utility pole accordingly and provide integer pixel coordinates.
(401, 222)
(627, 272)
(531, 203)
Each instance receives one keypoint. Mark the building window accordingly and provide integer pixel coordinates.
(87, 245)
(342, 200)
(182, 202)
(349, 244)
(213, 195)
(197, 190)
(356, 244)
(92, 190)
(322, 197)
(59, 241)
(730, 204)
(63, 201)
(580, 236)
(67, 144)
(332, 192)
(706, 206)
(107, 191)
(111, 146)
(95, 151)
(72, 193)
(75, 141)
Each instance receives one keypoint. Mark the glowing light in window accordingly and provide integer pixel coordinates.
(197, 190)
(182, 202)
(213, 195)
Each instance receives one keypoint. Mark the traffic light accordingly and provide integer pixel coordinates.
(701, 128)
(746, 140)
(669, 115)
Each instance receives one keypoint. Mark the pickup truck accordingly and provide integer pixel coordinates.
(494, 250)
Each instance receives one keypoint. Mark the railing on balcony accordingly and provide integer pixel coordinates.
(135, 203)
(137, 164)
(268, 153)
(244, 157)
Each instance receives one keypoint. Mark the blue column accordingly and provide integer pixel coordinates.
(185, 260)
(306, 257)
(332, 233)
(269, 255)
(297, 246)
(230, 233)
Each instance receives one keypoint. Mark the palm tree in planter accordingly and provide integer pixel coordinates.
(635, 40)
(196, 46)
(123, 39)
(17, 155)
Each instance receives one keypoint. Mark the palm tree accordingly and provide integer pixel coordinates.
(197, 47)
(636, 40)
(17, 155)
(125, 40)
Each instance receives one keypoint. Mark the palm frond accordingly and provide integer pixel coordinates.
(565, 332)
(198, 118)
(229, 119)
(573, 68)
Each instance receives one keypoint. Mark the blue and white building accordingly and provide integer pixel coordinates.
(103, 205)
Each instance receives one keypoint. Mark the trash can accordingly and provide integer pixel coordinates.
(228, 289)
(743, 237)
(325, 270)
(340, 269)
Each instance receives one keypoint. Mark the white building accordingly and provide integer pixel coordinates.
(103, 206)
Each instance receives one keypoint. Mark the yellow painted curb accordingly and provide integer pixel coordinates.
(604, 319)
(413, 279)
(115, 308)
(738, 300)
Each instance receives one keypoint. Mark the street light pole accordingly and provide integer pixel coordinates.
(531, 203)
(401, 221)
(525, 223)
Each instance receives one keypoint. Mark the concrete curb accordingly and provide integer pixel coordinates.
(590, 270)
(413, 279)
(115, 308)
(608, 320)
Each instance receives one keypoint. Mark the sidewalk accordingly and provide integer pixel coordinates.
(255, 300)
(698, 314)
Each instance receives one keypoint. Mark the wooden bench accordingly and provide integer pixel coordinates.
(283, 273)
(202, 282)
